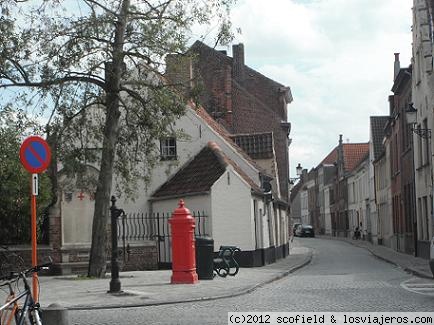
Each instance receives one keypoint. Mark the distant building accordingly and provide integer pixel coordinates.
(380, 178)
(402, 167)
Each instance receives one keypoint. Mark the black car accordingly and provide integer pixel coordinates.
(294, 228)
(304, 231)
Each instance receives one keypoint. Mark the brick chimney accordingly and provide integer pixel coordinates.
(228, 97)
(238, 62)
(396, 66)
(179, 72)
(340, 156)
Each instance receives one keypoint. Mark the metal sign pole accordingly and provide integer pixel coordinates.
(35, 155)
(34, 235)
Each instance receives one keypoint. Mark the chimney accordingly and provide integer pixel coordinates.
(340, 155)
(179, 72)
(238, 62)
(396, 66)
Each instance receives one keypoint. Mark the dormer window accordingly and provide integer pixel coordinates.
(168, 148)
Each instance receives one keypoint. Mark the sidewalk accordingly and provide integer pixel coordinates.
(415, 265)
(143, 288)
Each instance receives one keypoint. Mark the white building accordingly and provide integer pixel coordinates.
(358, 199)
(422, 94)
(225, 183)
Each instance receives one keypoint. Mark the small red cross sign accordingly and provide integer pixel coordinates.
(81, 196)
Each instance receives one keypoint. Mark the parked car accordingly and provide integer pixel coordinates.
(294, 227)
(305, 231)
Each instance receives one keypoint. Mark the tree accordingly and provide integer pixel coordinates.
(71, 57)
(15, 182)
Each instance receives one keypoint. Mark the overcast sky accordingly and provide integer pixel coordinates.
(337, 57)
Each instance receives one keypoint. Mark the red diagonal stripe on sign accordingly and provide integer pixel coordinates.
(34, 153)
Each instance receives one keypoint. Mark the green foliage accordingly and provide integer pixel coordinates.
(94, 68)
(15, 182)
(58, 52)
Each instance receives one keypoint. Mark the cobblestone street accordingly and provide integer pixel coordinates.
(341, 277)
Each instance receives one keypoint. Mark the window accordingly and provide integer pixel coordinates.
(168, 149)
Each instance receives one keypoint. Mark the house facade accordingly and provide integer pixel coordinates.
(253, 164)
(239, 98)
(422, 99)
(358, 200)
(402, 167)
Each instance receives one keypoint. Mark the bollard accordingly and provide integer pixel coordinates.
(55, 314)
(183, 246)
(431, 256)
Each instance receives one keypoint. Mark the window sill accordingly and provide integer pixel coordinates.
(168, 158)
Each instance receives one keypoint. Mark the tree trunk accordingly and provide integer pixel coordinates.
(114, 70)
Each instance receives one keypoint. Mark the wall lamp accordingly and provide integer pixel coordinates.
(411, 116)
(299, 171)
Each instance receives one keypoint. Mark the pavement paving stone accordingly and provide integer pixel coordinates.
(144, 288)
(415, 265)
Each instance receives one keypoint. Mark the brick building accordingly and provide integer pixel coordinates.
(346, 157)
(244, 101)
(401, 160)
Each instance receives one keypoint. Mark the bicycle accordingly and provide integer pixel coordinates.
(27, 314)
(9, 262)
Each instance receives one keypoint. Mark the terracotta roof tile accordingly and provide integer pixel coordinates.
(354, 153)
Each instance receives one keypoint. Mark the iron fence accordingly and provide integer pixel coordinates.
(137, 227)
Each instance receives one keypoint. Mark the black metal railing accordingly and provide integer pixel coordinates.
(144, 226)
(137, 227)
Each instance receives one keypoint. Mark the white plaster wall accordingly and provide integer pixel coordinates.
(199, 134)
(423, 101)
(384, 198)
(327, 217)
(198, 203)
(372, 203)
(304, 207)
(77, 216)
(263, 224)
(232, 215)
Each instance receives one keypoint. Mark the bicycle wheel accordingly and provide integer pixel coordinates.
(11, 263)
(27, 318)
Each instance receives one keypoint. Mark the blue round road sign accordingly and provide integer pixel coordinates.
(35, 154)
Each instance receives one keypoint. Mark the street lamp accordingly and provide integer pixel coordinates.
(299, 171)
(411, 116)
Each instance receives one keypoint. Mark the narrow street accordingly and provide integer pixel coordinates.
(341, 277)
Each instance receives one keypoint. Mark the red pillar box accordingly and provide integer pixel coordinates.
(183, 246)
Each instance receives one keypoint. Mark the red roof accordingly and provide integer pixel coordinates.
(354, 153)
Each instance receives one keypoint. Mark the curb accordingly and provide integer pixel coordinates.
(306, 260)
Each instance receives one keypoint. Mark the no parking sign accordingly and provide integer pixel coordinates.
(35, 155)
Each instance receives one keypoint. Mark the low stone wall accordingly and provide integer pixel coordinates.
(140, 257)
(25, 252)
